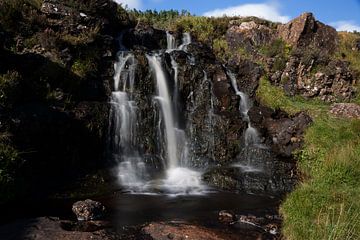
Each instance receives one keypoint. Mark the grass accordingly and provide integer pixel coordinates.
(325, 204)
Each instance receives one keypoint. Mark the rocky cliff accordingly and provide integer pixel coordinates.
(57, 73)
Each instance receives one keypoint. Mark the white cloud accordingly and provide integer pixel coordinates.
(269, 11)
(130, 3)
(348, 26)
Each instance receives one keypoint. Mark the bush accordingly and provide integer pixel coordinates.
(10, 162)
(9, 88)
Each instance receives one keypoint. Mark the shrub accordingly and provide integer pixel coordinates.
(10, 162)
(9, 88)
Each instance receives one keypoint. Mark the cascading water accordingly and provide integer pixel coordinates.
(179, 178)
(171, 42)
(186, 40)
(251, 135)
(131, 169)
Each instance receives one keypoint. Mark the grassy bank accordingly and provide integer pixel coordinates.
(325, 204)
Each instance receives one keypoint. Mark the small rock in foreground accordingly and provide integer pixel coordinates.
(88, 210)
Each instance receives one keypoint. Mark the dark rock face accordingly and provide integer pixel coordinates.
(145, 37)
(284, 133)
(88, 210)
(267, 175)
(305, 31)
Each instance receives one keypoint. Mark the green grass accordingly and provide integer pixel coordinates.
(325, 205)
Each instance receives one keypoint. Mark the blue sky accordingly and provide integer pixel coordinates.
(342, 14)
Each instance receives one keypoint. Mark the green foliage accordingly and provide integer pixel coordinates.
(9, 88)
(82, 67)
(221, 49)
(325, 205)
(346, 52)
(276, 98)
(84, 37)
(10, 161)
(278, 50)
(161, 20)
(21, 16)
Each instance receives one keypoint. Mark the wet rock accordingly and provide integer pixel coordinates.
(248, 75)
(179, 231)
(305, 31)
(346, 110)
(88, 210)
(45, 228)
(144, 36)
(283, 133)
(256, 170)
(226, 217)
(270, 223)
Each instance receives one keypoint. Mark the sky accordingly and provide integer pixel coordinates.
(344, 15)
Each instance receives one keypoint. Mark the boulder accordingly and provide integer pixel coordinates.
(88, 210)
(305, 31)
(248, 33)
(226, 217)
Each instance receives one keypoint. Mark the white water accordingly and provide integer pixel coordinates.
(131, 169)
(186, 40)
(171, 42)
(179, 179)
(166, 109)
(251, 135)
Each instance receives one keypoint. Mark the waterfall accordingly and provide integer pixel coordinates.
(251, 135)
(166, 109)
(123, 119)
(186, 40)
(180, 179)
(125, 144)
(171, 42)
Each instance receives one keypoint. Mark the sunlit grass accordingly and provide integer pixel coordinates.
(325, 205)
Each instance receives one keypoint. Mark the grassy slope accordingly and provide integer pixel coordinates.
(325, 205)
